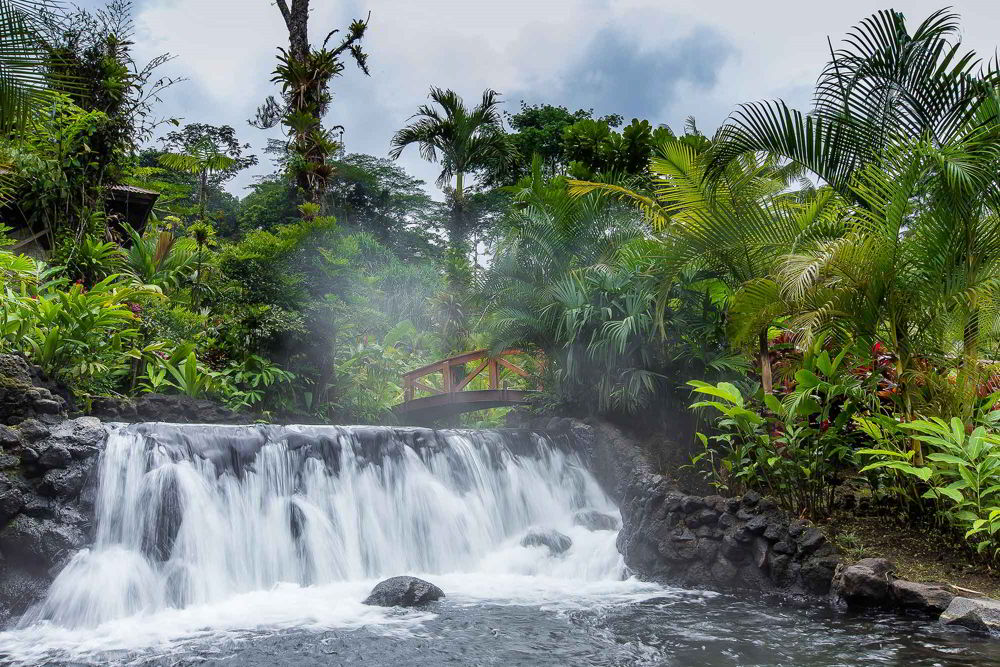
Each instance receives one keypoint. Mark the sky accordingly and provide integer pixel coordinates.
(662, 60)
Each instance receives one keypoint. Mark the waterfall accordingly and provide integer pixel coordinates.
(195, 515)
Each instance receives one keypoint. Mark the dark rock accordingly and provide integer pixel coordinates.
(777, 528)
(594, 520)
(797, 527)
(981, 616)
(186, 410)
(9, 437)
(817, 574)
(81, 437)
(732, 549)
(930, 598)
(757, 525)
(784, 548)
(767, 505)
(554, 540)
(53, 456)
(33, 430)
(403, 592)
(63, 483)
(48, 406)
(866, 583)
(20, 588)
(39, 507)
(811, 540)
(701, 518)
(750, 499)
(691, 504)
(15, 368)
(724, 571)
(706, 550)
(41, 541)
(11, 501)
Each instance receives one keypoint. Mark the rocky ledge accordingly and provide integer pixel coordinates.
(47, 493)
(744, 543)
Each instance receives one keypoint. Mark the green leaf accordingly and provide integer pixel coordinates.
(806, 379)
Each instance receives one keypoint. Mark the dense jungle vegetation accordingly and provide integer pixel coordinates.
(822, 285)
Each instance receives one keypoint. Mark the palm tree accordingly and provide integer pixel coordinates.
(563, 280)
(886, 84)
(735, 229)
(916, 271)
(202, 160)
(464, 141)
(24, 82)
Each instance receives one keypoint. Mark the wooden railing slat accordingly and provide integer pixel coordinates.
(448, 369)
(468, 378)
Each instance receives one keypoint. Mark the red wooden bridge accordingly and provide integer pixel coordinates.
(450, 395)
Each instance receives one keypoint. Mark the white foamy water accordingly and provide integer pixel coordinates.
(206, 531)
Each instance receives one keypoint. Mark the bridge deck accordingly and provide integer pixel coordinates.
(450, 394)
(441, 406)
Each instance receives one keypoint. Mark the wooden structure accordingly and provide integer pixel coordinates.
(122, 203)
(453, 396)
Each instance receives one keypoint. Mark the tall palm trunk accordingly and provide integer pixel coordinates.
(766, 380)
(202, 193)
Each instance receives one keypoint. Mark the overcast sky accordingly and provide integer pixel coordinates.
(657, 59)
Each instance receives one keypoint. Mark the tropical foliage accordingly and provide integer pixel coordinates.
(823, 283)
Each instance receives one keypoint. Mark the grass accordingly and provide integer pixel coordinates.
(920, 553)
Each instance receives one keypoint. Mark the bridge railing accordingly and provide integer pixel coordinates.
(455, 377)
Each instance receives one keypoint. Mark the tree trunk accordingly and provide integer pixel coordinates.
(765, 363)
(203, 193)
(297, 22)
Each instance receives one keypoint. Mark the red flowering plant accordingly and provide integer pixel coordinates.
(796, 448)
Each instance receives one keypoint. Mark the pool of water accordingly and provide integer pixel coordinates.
(256, 545)
(501, 620)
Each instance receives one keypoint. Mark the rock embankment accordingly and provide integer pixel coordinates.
(721, 543)
(47, 484)
(743, 543)
(47, 493)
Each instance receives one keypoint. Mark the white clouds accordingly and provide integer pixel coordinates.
(703, 58)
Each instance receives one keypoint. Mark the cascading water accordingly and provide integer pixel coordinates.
(255, 545)
(189, 516)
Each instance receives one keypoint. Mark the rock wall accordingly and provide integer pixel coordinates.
(712, 542)
(47, 483)
(26, 394)
(47, 489)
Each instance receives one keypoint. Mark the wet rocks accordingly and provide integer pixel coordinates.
(594, 520)
(929, 598)
(743, 543)
(24, 394)
(403, 592)
(47, 482)
(981, 616)
(866, 583)
(553, 539)
(872, 583)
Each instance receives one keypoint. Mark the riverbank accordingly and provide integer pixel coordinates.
(919, 553)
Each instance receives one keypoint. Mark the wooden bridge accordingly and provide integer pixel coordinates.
(454, 396)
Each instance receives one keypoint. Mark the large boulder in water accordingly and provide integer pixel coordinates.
(594, 520)
(553, 539)
(981, 616)
(403, 592)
